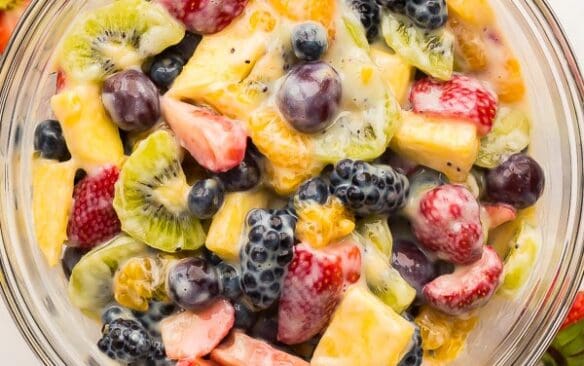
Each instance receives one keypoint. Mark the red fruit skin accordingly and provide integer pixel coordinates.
(499, 214)
(461, 97)
(242, 350)
(576, 312)
(468, 288)
(196, 363)
(448, 224)
(93, 219)
(312, 289)
(205, 16)
(61, 81)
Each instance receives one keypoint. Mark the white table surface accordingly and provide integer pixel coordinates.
(13, 349)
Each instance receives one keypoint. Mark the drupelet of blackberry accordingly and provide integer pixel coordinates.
(370, 16)
(398, 6)
(427, 14)
(125, 340)
(266, 254)
(368, 189)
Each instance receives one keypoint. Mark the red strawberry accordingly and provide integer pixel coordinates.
(576, 312)
(61, 81)
(461, 97)
(468, 288)
(205, 16)
(499, 213)
(216, 142)
(93, 219)
(447, 222)
(242, 350)
(313, 287)
(188, 336)
(198, 362)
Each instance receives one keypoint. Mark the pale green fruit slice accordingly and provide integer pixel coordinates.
(376, 231)
(521, 258)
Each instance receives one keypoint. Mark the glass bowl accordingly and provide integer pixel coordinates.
(511, 331)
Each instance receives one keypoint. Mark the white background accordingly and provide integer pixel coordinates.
(13, 349)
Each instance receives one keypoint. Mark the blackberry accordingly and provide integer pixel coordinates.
(370, 16)
(398, 6)
(427, 14)
(315, 189)
(125, 340)
(369, 189)
(415, 354)
(266, 255)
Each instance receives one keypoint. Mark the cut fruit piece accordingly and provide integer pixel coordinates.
(499, 214)
(470, 51)
(151, 197)
(228, 225)
(395, 71)
(477, 13)
(191, 335)
(52, 198)
(430, 51)
(139, 281)
(216, 142)
(508, 81)
(92, 138)
(321, 11)
(376, 231)
(91, 282)
(360, 322)
(441, 144)
(355, 29)
(116, 37)
(521, 258)
(510, 135)
(242, 350)
(285, 180)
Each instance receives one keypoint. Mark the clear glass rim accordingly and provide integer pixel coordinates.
(553, 312)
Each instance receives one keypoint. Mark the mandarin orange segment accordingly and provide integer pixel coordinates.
(319, 225)
(469, 49)
(322, 11)
(509, 84)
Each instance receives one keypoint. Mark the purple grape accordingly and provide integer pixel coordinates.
(399, 163)
(131, 100)
(310, 96)
(193, 283)
(519, 181)
(413, 265)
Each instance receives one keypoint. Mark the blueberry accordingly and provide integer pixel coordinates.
(71, 257)
(243, 177)
(230, 281)
(370, 16)
(186, 47)
(49, 141)
(309, 41)
(315, 189)
(245, 318)
(193, 283)
(427, 14)
(415, 355)
(165, 68)
(125, 340)
(205, 198)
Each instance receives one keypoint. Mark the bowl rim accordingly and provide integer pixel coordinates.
(46, 353)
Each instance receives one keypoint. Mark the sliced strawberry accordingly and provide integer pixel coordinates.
(205, 16)
(93, 219)
(447, 222)
(468, 288)
(461, 97)
(242, 350)
(312, 289)
(192, 335)
(216, 142)
(198, 362)
(576, 312)
(499, 213)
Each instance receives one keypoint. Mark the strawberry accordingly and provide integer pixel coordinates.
(198, 362)
(567, 349)
(461, 97)
(576, 312)
(216, 142)
(187, 336)
(61, 82)
(205, 16)
(468, 288)
(499, 213)
(447, 222)
(93, 219)
(242, 350)
(313, 287)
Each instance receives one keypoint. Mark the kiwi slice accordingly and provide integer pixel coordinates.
(90, 285)
(117, 37)
(151, 197)
(430, 51)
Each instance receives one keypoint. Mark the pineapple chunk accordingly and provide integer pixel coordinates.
(224, 237)
(92, 138)
(478, 13)
(450, 147)
(52, 198)
(363, 331)
(395, 71)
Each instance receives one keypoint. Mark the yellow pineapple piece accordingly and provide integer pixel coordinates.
(448, 146)
(363, 331)
(224, 236)
(319, 225)
(92, 138)
(395, 71)
(478, 13)
(285, 180)
(52, 198)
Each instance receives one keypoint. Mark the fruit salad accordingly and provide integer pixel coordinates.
(277, 182)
